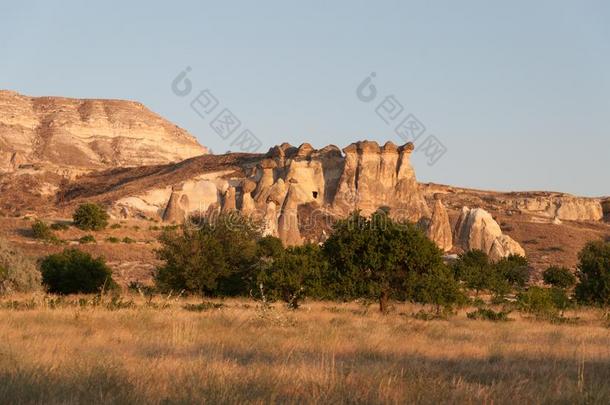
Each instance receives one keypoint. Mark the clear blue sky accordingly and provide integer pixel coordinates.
(518, 92)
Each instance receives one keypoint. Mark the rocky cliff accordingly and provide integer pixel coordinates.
(86, 134)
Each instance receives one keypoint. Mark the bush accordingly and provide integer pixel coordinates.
(538, 301)
(293, 273)
(74, 271)
(438, 287)
(216, 258)
(474, 269)
(127, 239)
(115, 226)
(17, 273)
(515, 270)
(41, 230)
(59, 226)
(487, 314)
(594, 274)
(90, 217)
(112, 239)
(559, 277)
(86, 239)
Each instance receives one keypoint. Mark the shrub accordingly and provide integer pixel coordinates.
(594, 274)
(538, 301)
(86, 239)
(216, 258)
(17, 273)
(59, 226)
(487, 314)
(90, 217)
(74, 271)
(127, 239)
(112, 239)
(514, 269)
(474, 269)
(41, 230)
(438, 287)
(293, 273)
(559, 277)
(115, 226)
(377, 257)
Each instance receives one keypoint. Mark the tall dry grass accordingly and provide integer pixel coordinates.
(53, 352)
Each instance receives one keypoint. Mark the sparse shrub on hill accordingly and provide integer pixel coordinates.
(377, 257)
(86, 239)
(40, 230)
(90, 217)
(559, 277)
(594, 274)
(17, 273)
(213, 258)
(59, 226)
(74, 271)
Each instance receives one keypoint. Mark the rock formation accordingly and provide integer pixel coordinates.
(439, 228)
(174, 211)
(90, 134)
(288, 222)
(476, 229)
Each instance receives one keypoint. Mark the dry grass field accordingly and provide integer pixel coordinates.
(165, 351)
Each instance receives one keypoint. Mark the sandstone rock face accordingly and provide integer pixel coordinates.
(566, 208)
(331, 185)
(91, 134)
(439, 228)
(375, 177)
(174, 212)
(288, 223)
(476, 229)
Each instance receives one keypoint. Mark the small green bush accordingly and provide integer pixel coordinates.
(17, 273)
(127, 239)
(87, 239)
(115, 226)
(487, 314)
(559, 277)
(60, 226)
(594, 274)
(74, 271)
(112, 239)
(90, 217)
(41, 230)
(538, 301)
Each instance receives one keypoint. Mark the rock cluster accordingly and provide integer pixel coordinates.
(366, 177)
(91, 134)
(476, 229)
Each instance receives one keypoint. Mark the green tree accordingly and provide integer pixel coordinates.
(90, 217)
(210, 256)
(438, 287)
(559, 277)
(475, 270)
(74, 271)
(594, 274)
(378, 257)
(514, 269)
(295, 273)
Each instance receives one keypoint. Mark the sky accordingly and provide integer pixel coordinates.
(506, 95)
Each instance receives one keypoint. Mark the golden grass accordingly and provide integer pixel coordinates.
(322, 353)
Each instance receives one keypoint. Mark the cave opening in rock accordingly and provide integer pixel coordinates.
(315, 194)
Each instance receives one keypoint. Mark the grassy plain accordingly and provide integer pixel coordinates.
(77, 350)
